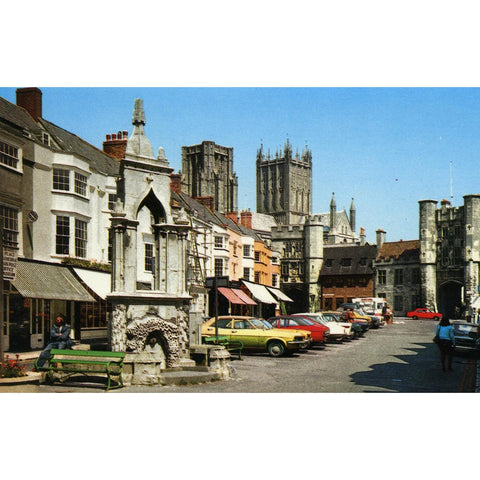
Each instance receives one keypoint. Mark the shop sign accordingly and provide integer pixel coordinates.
(9, 263)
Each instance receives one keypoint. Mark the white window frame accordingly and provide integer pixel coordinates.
(80, 183)
(73, 181)
(11, 222)
(10, 153)
(78, 246)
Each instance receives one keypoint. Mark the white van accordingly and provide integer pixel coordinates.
(371, 305)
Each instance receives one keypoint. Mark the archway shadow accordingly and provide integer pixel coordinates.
(416, 372)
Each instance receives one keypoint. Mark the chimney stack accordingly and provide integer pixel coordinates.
(232, 216)
(246, 219)
(31, 100)
(115, 144)
(362, 236)
(206, 202)
(380, 238)
(176, 183)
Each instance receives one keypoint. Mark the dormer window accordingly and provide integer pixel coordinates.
(46, 138)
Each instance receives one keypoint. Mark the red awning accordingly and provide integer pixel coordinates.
(230, 295)
(244, 296)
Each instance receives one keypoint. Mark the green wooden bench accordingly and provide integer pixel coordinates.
(85, 361)
(233, 346)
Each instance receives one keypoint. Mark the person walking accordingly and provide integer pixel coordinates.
(59, 338)
(446, 342)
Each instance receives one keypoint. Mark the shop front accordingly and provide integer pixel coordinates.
(31, 301)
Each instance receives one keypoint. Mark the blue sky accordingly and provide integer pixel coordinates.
(385, 147)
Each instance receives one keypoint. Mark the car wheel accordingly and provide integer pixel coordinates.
(276, 348)
(435, 318)
(415, 317)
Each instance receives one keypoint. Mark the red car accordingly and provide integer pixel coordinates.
(319, 332)
(424, 313)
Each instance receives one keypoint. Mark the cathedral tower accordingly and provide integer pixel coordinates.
(207, 171)
(284, 184)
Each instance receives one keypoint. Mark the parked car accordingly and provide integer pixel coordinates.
(361, 322)
(424, 313)
(467, 336)
(320, 333)
(256, 336)
(358, 313)
(338, 333)
(357, 329)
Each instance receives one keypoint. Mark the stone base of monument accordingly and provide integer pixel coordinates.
(150, 369)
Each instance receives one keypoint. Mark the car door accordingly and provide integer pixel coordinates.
(223, 326)
(246, 333)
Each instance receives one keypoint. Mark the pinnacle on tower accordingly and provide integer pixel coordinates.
(138, 144)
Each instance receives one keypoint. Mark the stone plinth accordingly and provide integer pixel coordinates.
(142, 368)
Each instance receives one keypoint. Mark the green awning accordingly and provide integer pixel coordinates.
(49, 281)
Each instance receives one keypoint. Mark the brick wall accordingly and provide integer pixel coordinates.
(115, 144)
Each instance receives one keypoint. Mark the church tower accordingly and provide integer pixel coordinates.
(207, 171)
(284, 184)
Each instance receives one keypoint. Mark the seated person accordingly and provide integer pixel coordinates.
(59, 338)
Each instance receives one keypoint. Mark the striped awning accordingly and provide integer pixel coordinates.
(260, 293)
(279, 294)
(230, 296)
(99, 282)
(244, 296)
(49, 281)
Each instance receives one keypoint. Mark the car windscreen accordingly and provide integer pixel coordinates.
(317, 319)
(462, 329)
(304, 321)
(330, 317)
(257, 323)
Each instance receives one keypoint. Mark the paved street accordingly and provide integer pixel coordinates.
(396, 358)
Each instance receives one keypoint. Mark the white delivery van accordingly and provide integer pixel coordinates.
(371, 305)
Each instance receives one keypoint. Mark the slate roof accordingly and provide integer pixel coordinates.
(18, 117)
(262, 222)
(206, 215)
(406, 250)
(71, 143)
(361, 256)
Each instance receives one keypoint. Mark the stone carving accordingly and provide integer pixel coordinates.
(138, 330)
(117, 328)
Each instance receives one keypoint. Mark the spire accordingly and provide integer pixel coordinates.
(333, 203)
(260, 155)
(333, 211)
(287, 151)
(138, 144)
(352, 216)
(138, 113)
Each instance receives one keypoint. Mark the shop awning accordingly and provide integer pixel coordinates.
(279, 294)
(230, 296)
(49, 281)
(244, 296)
(260, 293)
(99, 282)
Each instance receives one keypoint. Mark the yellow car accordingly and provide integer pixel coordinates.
(255, 334)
